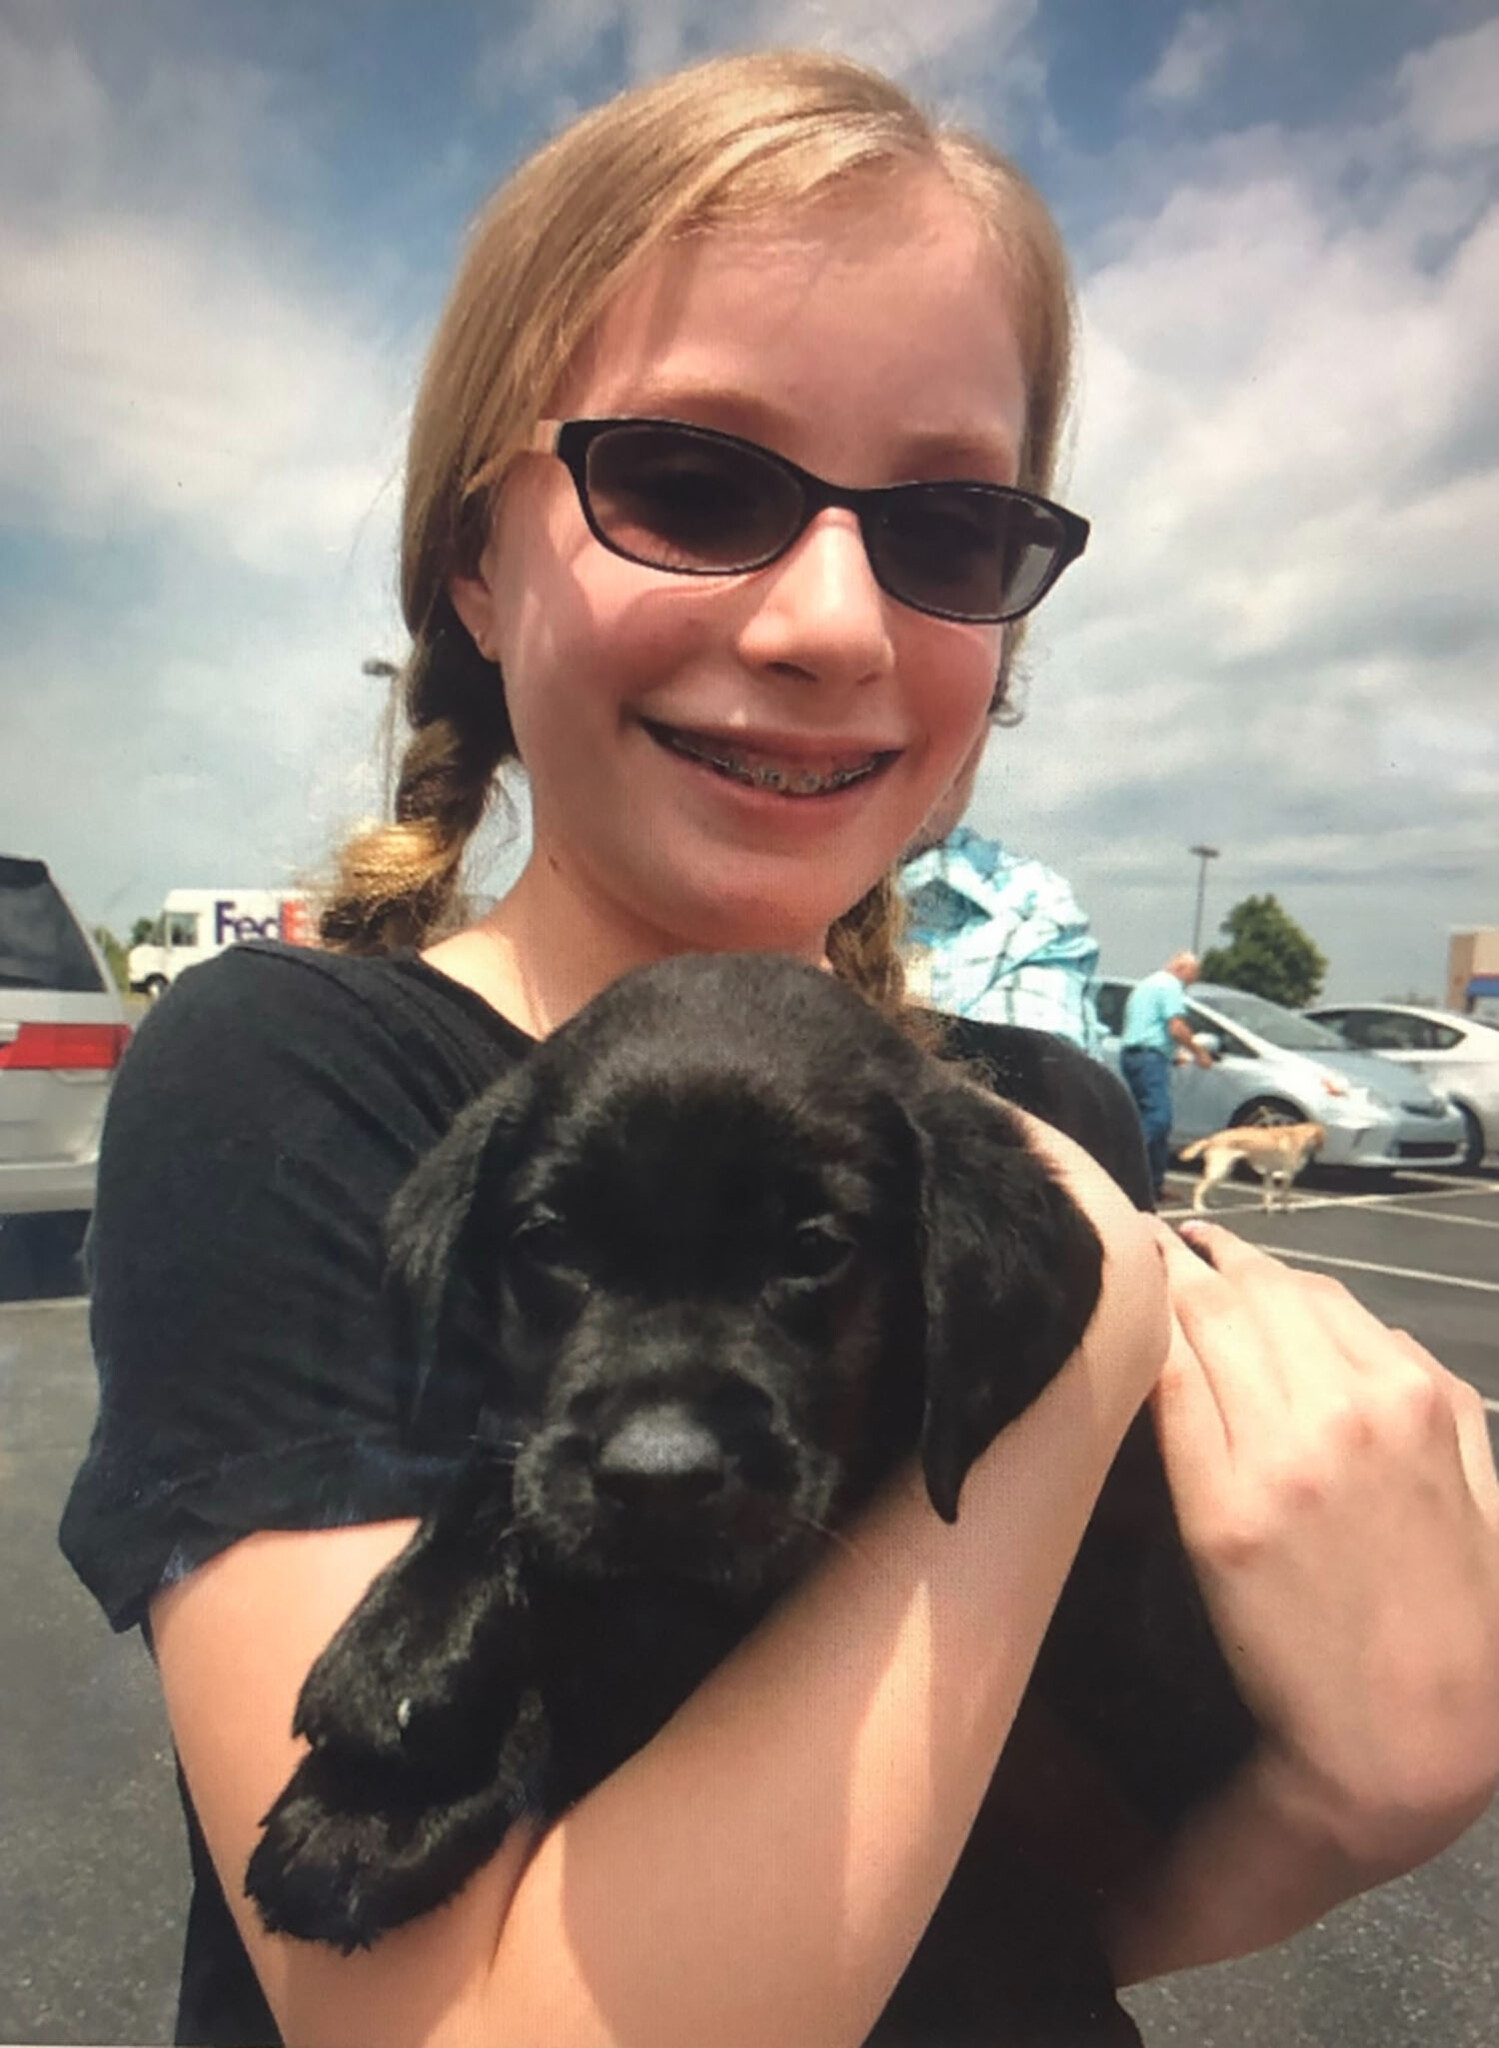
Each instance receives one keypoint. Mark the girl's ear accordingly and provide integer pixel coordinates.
(473, 601)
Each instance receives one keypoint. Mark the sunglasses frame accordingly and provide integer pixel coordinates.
(571, 440)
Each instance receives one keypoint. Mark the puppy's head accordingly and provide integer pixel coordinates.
(731, 1249)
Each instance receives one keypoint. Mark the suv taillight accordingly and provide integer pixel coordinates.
(65, 1046)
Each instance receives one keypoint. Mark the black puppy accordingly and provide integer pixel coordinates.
(724, 1250)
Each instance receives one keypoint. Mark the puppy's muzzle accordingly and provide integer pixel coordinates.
(662, 1463)
(704, 1485)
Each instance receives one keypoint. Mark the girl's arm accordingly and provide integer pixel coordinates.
(1336, 1489)
(761, 1870)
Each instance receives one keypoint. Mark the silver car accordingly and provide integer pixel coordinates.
(1459, 1055)
(1272, 1065)
(62, 1035)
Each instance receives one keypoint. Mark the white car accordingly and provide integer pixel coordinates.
(1457, 1054)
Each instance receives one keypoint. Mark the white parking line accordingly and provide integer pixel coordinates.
(1459, 1183)
(1290, 1251)
(1233, 1200)
(1427, 1215)
(1428, 1189)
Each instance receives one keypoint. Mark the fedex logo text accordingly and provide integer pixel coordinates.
(229, 924)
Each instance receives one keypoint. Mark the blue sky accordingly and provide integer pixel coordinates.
(225, 231)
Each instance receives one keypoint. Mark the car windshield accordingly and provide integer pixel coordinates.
(1285, 1028)
(40, 946)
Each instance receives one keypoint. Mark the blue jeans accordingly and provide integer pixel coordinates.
(1147, 1075)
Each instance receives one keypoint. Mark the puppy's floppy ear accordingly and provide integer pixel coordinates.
(1011, 1271)
(436, 1273)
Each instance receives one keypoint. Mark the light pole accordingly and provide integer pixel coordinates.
(1203, 855)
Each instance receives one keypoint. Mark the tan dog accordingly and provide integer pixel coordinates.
(1277, 1152)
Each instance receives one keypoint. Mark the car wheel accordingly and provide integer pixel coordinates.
(1473, 1145)
(155, 986)
(1268, 1109)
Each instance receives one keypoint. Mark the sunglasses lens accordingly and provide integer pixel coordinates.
(964, 552)
(678, 500)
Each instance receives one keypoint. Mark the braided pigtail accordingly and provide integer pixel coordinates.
(396, 885)
(864, 949)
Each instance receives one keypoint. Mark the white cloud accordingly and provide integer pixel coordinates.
(1451, 90)
(905, 40)
(1193, 59)
(1284, 636)
(155, 376)
(932, 46)
(166, 361)
(198, 445)
(189, 733)
(1276, 400)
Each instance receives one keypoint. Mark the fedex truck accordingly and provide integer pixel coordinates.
(197, 923)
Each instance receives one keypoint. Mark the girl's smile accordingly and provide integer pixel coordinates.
(787, 768)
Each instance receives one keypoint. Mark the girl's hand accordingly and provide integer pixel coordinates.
(1337, 1494)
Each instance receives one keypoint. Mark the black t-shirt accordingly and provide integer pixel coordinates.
(268, 1108)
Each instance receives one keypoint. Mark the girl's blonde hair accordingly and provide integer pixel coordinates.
(725, 142)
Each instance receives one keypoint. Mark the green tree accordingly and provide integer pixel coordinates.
(1268, 954)
(142, 932)
(116, 955)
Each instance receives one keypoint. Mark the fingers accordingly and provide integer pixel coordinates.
(1310, 1321)
(1261, 1331)
(1234, 1329)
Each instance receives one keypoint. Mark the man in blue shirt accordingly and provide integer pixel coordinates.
(1155, 1025)
(993, 934)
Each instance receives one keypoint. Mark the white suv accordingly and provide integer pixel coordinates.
(62, 1034)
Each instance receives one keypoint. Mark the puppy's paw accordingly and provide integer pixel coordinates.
(427, 1673)
(350, 1850)
(372, 1694)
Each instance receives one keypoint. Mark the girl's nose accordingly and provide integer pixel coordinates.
(819, 610)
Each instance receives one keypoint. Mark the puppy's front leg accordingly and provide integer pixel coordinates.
(423, 1673)
(428, 1738)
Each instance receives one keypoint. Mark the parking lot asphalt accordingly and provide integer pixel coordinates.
(92, 1866)
(1420, 1250)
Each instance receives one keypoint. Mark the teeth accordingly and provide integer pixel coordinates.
(768, 774)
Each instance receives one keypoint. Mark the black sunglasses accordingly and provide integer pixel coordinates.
(699, 503)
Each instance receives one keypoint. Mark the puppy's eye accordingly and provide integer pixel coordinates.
(540, 1238)
(819, 1251)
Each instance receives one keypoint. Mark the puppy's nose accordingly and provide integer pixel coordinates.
(661, 1457)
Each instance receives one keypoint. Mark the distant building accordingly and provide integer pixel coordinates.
(1473, 971)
